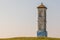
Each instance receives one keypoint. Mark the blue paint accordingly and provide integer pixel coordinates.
(42, 33)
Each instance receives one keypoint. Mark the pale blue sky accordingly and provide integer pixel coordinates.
(19, 17)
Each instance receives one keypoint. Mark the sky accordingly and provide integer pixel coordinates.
(18, 18)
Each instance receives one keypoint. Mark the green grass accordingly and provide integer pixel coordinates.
(30, 38)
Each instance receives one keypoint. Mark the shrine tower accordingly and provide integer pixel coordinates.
(42, 21)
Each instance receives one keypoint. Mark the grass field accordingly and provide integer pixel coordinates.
(30, 38)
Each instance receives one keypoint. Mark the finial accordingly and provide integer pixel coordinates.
(41, 3)
(42, 6)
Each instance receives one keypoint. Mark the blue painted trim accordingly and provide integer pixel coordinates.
(42, 33)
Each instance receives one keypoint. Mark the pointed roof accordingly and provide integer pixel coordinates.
(42, 6)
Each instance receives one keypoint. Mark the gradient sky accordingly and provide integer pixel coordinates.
(18, 18)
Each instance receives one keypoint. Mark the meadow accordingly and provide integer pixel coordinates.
(30, 38)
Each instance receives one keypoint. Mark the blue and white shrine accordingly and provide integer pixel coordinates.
(42, 21)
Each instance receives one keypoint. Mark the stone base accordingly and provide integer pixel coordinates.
(41, 33)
